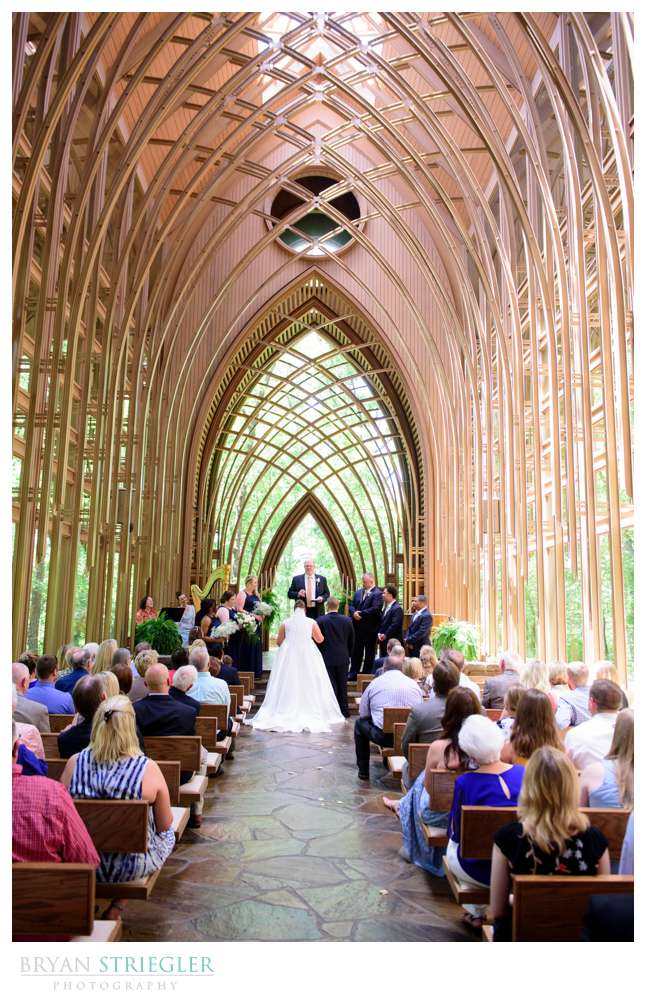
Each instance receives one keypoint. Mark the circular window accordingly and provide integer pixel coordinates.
(310, 233)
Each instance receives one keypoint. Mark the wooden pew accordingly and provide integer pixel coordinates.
(417, 754)
(442, 786)
(59, 898)
(206, 727)
(396, 760)
(391, 716)
(243, 704)
(219, 712)
(478, 825)
(552, 907)
(50, 744)
(119, 826)
(55, 767)
(59, 722)
(185, 749)
(363, 680)
(248, 679)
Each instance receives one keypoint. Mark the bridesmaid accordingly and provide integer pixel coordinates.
(227, 612)
(250, 650)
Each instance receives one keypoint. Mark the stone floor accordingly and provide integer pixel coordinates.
(294, 848)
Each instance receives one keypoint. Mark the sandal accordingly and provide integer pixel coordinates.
(114, 911)
(473, 921)
(391, 804)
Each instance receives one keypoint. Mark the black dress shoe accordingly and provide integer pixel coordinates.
(363, 777)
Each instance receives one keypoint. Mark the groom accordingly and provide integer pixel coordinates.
(336, 650)
(310, 588)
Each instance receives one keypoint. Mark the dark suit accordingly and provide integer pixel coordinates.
(609, 918)
(390, 626)
(365, 629)
(163, 715)
(229, 674)
(320, 590)
(336, 650)
(77, 738)
(419, 631)
(184, 699)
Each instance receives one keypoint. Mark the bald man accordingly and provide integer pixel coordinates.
(157, 713)
(28, 711)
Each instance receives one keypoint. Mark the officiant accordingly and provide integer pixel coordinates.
(311, 588)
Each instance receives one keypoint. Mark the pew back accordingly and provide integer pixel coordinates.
(117, 826)
(185, 749)
(393, 715)
(217, 711)
(50, 744)
(206, 727)
(442, 783)
(46, 896)
(552, 907)
(248, 679)
(59, 722)
(417, 754)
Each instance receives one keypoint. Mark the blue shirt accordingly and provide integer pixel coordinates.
(474, 788)
(209, 689)
(56, 702)
(30, 763)
(67, 682)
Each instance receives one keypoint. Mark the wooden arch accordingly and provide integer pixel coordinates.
(309, 504)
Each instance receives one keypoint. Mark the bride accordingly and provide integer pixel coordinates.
(299, 693)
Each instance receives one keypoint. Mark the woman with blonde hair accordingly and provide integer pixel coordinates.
(249, 647)
(146, 658)
(534, 727)
(608, 783)
(605, 670)
(113, 767)
(535, 674)
(551, 837)
(110, 683)
(412, 667)
(103, 659)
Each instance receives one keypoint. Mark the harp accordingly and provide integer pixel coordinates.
(220, 573)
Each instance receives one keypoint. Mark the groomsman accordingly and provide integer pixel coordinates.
(336, 650)
(392, 619)
(365, 609)
(310, 588)
(419, 630)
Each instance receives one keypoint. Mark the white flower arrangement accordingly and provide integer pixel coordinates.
(224, 630)
(247, 623)
(262, 608)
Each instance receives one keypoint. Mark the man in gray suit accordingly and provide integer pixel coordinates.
(425, 721)
(495, 688)
(31, 712)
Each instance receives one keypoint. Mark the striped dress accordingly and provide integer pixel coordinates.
(121, 780)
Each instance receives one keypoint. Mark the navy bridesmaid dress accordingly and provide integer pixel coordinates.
(233, 642)
(250, 650)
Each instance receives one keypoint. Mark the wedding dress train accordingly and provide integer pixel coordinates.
(299, 694)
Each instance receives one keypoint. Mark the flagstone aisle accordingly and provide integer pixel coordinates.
(293, 848)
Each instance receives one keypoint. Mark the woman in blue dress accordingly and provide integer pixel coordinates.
(113, 767)
(250, 647)
(416, 807)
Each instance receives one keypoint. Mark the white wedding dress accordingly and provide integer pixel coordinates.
(299, 693)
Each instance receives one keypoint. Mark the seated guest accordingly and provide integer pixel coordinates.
(534, 727)
(110, 683)
(558, 679)
(113, 767)
(160, 715)
(627, 859)
(412, 667)
(178, 658)
(88, 694)
(551, 837)
(416, 807)
(493, 694)
(591, 740)
(536, 675)
(123, 673)
(193, 636)
(424, 723)
(455, 657)
(605, 670)
(31, 712)
(507, 719)
(103, 658)
(27, 733)
(608, 783)
(92, 648)
(429, 659)
(79, 660)
(146, 658)
(579, 693)
(121, 655)
(45, 825)
(44, 690)
(183, 680)
(494, 783)
(214, 666)
(141, 647)
(228, 672)
(391, 690)
(397, 652)
(207, 689)
(30, 660)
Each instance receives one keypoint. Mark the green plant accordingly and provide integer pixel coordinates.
(457, 635)
(345, 596)
(162, 634)
(269, 597)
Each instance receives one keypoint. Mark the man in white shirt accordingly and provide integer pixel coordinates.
(208, 689)
(391, 690)
(589, 742)
(455, 657)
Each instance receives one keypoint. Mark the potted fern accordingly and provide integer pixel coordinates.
(457, 635)
(162, 634)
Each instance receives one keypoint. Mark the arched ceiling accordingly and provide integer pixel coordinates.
(491, 157)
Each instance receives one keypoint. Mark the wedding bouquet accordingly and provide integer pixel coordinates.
(225, 630)
(247, 623)
(263, 608)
